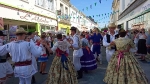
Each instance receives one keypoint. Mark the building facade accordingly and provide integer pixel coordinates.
(33, 15)
(63, 18)
(71, 16)
(115, 7)
(134, 14)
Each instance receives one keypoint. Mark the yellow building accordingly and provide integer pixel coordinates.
(64, 25)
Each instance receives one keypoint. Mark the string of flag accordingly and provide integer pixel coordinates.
(91, 6)
(98, 15)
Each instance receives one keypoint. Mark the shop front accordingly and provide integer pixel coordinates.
(30, 21)
(138, 18)
(64, 28)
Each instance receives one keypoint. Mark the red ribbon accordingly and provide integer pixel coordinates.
(44, 55)
(120, 56)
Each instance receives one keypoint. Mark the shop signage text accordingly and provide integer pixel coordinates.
(32, 17)
(145, 7)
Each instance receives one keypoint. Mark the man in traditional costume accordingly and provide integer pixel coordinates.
(77, 53)
(96, 40)
(21, 52)
(6, 70)
(111, 36)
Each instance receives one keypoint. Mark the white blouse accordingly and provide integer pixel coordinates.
(141, 36)
(62, 45)
(21, 50)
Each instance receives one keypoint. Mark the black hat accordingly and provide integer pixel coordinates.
(29, 33)
(73, 28)
(1, 34)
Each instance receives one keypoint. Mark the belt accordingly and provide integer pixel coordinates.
(24, 63)
(3, 60)
(96, 43)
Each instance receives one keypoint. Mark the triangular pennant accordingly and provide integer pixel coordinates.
(83, 9)
(99, 1)
(91, 6)
(86, 8)
(93, 15)
(95, 4)
(99, 15)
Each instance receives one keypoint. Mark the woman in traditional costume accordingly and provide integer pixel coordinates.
(62, 70)
(88, 60)
(123, 67)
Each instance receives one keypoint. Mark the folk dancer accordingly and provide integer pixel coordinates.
(30, 37)
(88, 60)
(21, 51)
(77, 53)
(62, 70)
(123, 67)
(96, 38)
(111, 36)
(6, 70)
(44, 56)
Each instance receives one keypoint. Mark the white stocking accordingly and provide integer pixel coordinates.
(25, 80)
(95, 55)
(100, 57)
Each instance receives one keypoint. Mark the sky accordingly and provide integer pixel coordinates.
(101, 8)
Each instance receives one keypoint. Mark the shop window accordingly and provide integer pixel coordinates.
(62, 9)
(52, 28)
(50, 5)
(24, 26)
(40, 3)
(31, 28)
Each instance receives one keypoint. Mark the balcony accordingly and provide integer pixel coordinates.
(64, 18)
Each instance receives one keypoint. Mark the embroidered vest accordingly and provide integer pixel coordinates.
(108, 39)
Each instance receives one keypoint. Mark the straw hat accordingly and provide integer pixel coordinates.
(20, 30)
(112, 25)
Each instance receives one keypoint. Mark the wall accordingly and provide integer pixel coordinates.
(30, 5)
(134, 13)
(126, 4)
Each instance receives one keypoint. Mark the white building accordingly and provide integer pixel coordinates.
(64, 18)
(33, 15)
(134, 14)
(115, 9)
(76, 17)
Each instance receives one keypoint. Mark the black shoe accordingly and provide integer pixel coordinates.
(86, 71)
(80, 74)
(33, 80)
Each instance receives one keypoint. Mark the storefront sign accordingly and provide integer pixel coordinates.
(31, 17)
(1, 23)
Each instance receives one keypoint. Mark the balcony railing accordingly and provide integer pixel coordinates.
(64, 18)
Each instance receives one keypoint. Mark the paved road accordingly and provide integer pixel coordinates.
(93, 77)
